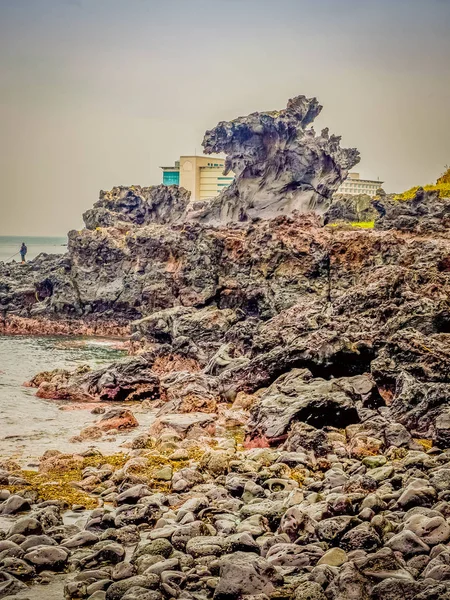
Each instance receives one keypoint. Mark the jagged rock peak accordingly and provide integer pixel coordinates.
(138, 205)
(280, 164)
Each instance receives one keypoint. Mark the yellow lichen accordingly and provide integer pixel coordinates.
(60, 475)
(299, 476)
(363, 224)
(50, 486)
(195, 453)
(58, 480)
(426, 444)
(442, 186)
(238, 435)
(352, 224)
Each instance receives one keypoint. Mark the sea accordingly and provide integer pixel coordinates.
(10, 246)
(30, 425)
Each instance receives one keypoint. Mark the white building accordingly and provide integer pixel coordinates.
(355, 186)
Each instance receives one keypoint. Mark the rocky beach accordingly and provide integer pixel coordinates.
(288, 351)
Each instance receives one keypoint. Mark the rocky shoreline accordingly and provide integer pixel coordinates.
(297, 364)
(190, 512)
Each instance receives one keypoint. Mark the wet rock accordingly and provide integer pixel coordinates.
(161, 566)
(133, 494)
(295, 397)
(408, 543)
(184, 422)
(14, 504)
(18, 568)
(127, 535)
(77, 585)
(417, 493)
(118, 589)
(335, 557)
(104, 552)
(243, 573)
(37, 540)
(431, 530)
(291, 555)
(205, 546)
(123, 570)
(160, 547)
(98, 586)
(8, 548)
(309, 590)
(10, 586)
(98, 595)
(184, 533)
(117, 418)
(84, 538)
(48, 558)
(140, 593)
(26, 526)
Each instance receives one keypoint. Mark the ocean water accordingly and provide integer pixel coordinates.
(10, 245)
(29, 425)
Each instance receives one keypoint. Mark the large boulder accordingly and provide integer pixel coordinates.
(244, 573)
(295, 396)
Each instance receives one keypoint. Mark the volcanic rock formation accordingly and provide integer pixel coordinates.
(137, 205)
(279, 163)
(328, 347)
(227, 310)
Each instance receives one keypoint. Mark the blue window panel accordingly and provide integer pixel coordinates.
(171, 178)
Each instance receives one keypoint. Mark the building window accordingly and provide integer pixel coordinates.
(171, 178)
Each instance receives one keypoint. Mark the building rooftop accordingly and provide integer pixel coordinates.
(356, 177)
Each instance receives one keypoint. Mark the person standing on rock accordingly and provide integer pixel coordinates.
(23, 252)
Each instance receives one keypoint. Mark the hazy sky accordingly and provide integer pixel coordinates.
(97, 93)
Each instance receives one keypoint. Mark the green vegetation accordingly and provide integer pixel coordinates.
(363, 224)
(58, 482)
(353, 224)
(442, 186)
(445, 178)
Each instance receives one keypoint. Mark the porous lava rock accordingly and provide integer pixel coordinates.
(137, 205)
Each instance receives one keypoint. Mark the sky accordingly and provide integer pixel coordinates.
(97, 93)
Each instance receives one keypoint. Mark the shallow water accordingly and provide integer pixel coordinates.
(29, 425)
